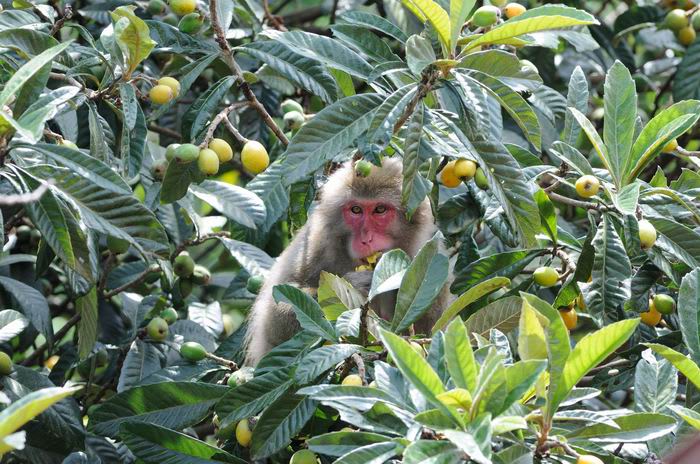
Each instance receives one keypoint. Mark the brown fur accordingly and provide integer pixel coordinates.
(323, 245)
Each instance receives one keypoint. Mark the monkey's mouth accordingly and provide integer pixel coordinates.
(372, 259)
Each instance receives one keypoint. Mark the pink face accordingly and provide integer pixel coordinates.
(370, 223)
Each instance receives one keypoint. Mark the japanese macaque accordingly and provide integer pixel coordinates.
(355, 218)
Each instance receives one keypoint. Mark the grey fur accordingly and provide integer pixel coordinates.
(323, 245)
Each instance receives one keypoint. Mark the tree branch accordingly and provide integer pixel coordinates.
(57, 337)
(238, 74)
(218, 119)
(24, 198)
(577, 203)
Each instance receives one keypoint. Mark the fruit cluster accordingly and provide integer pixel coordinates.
(488, 15)
(682, 25)
(460, 170)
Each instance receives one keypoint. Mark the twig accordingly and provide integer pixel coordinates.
(223, 361)
(361, 371)
(238, 74)
(165, 131)
(274, 21)
(570, 265)
(57, 337)
(334, 7)
(67, 14)
(551, 444)
(218, 119)
(232, 129)
(363, 324)
(687, 153)
(24, 198)
(426, 86)
(578, 203)
(140, 278)
(196, 241)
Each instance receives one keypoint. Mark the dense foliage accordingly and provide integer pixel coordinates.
(155, 158)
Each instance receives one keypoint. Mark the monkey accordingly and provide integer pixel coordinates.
(355, 217)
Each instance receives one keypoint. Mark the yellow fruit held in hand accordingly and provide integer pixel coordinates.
(254, 157)
(171, 82)
(651, 317)
(514, 9)
(448, 178)
(183, 7)
(222, 148)
(686, 36)
(243, 433)
(670, 147)
(465, 169)
(569, 317)
(587, 186)
(546, 276)
(208, 162)
(161, 94)
(647, 234)
(352, 380)
(589, 459)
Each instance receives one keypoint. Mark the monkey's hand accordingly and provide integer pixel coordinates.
(360, 280)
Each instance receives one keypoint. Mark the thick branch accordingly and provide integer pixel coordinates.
(238, 74)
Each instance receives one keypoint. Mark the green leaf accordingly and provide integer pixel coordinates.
(521, 377)
(421, 284)
(470, 296)
(29, 70)
(502, 315)
(678, 240)
(419, 54)
(174, 405)
(373, 21)
(200, 112)
(12, 323)
(154, 444)
(459, 12)
(364, 41)
(688, 415)
(305, 72)
(44, 108)
(236, 203)
(597, 143)
(689, 312)
(415, 187)
(681, 362)
(590, 351)
(251, 258)
(177, 180)
(340, 443)
(142, 360)
(460, 357)
(664, 127)
(375, 453)
(633, 428)
(620, 117)
(321, 360)
(543, 18)
(655, 383)
(609, 288)
(467, 442)
(577, 97)
(86, 306)
(381, 128)
(336, 295)
(280, 422)
(430, 11)
(431, 451)
(548, 216)
(531, 338)
(389, 272)
(132, 36)
(417, 370)
(516, 106)
(32, 303)
(332, 130)
(686, 84)
(28, 407)
(307, 310)
(506, 264)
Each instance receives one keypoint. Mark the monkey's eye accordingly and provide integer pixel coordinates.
(356, 210)
(380, 209)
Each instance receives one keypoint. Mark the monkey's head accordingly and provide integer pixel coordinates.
(367, 214)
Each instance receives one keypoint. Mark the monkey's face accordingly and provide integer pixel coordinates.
(371, 225)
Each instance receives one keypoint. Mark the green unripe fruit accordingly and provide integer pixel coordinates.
(363, 168)
(664, 303)
(480, 179)
(240, 377)
(254, 284)
(291, 105)
(546, 276)
(294, 120)
(250, 77)
(185, 287)
(222, 149)
(208, 162)
(486, 16)
(170, 151)
(676, 19)
(695, 20)
(201, 275)
(303, 457)
(183, 265)
(183, 7)
(193, 351)
(191, 23)
(157, 329)
(24, 233)
(5, 364)
(117, 245)
(156, 7)
(169, 315)
(170, 19)
(186, 153)
(158, 169)
(102, 358)
(68, 144)
(499, 3)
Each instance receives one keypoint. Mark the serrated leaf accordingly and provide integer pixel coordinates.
(681, 362)
(689, 312)
(321, 360)
(381, 127)
(142, 360)
(620, 117)
(254, 260)
(177, 180)
(389, 272)
(459, 356)
(655, 383)
(507, 264)
(577, 97)
(32, 303)
(280, 423)
(200, 112)
(236, 203)
(307, 73)
(686, 84)
(307, 310)
(86, 306)
(633, 428)
(340, 443)
(470, 296)
(502, 315)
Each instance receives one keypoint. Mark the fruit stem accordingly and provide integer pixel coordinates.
(361, 371)
(218, 119)
(183, 246)
(223, 361)
(238, 73)
(139, 278)
(57, 336)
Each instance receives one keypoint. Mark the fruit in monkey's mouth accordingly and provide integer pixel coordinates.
(371, 262)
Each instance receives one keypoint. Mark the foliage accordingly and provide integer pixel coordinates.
(152, 167)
